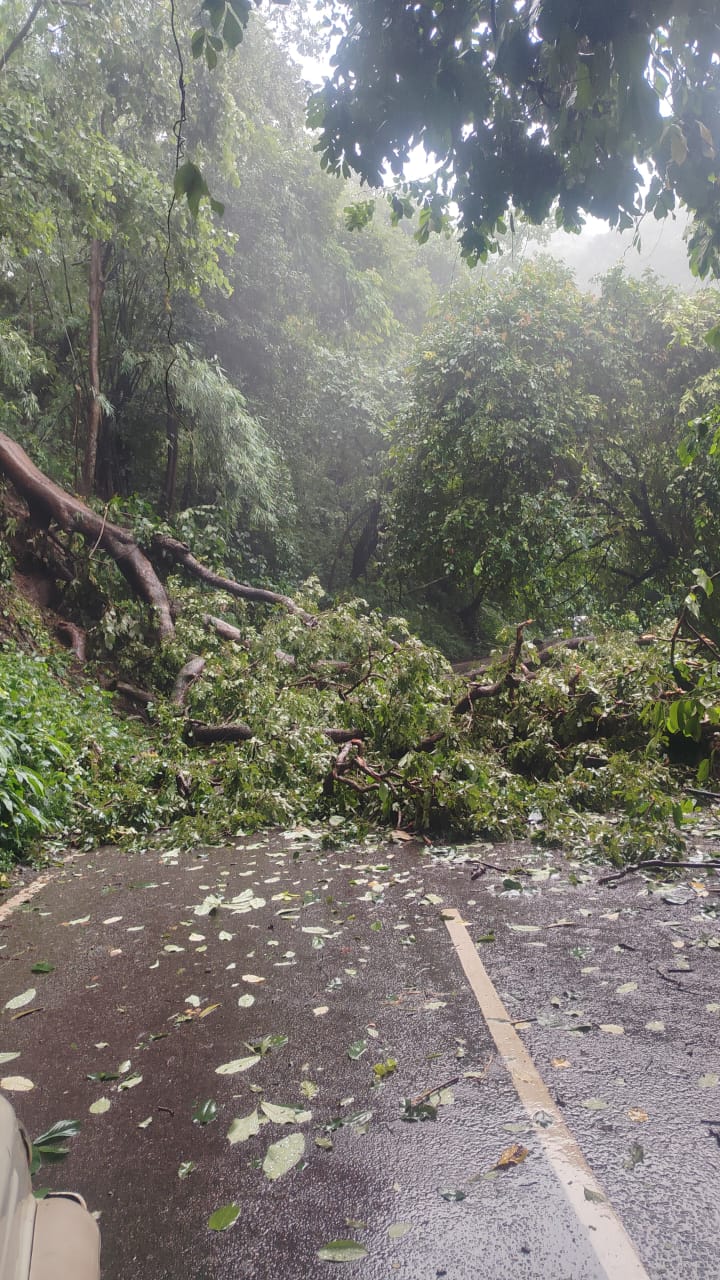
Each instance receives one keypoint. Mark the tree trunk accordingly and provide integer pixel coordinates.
(171, 465)
(96, 289)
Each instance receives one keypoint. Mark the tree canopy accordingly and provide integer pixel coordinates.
(537, 467)
(589, 106)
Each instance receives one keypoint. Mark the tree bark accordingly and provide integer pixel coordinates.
(171, 464)
(96, 289)
(224, 629)
(185, 678)
(197, 735)
(47, 501)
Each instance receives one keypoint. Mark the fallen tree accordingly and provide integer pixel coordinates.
(47, 502)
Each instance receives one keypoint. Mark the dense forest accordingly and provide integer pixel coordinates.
(305, 518)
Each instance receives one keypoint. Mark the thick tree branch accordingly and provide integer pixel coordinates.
(183, 556)
(24, 31)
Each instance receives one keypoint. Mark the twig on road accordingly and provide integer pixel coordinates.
(479, 869)
(423, 1097)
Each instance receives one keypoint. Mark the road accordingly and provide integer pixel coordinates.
(569, 1131)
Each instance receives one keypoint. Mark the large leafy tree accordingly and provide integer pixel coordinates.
(530, 104)
(537, 469)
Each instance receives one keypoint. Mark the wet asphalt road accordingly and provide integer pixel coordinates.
(614, 991)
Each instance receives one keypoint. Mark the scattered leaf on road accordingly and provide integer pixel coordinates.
(237, 1064)
(19, 1002)
(223, 1218)
(386, 1068)
(205, 1111)
(99, 1107)
(397, 1230)
(283, 1155)
(512, 1156)
(285, 1115)
(243, 1127)
(16, 1084)
(130, 1082)
(342, 1251)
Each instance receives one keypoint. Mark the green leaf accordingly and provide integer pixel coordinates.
(232, 30)
(197, 44)
(712, 337)
(703, 581)
(386, 1068)
(357, 1049)
(359, 215)
(43, 966)
(189, 182)
(342, 1251)
(59, 1132)
(413, 1112)
(205, 1111)
(223, 1218)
